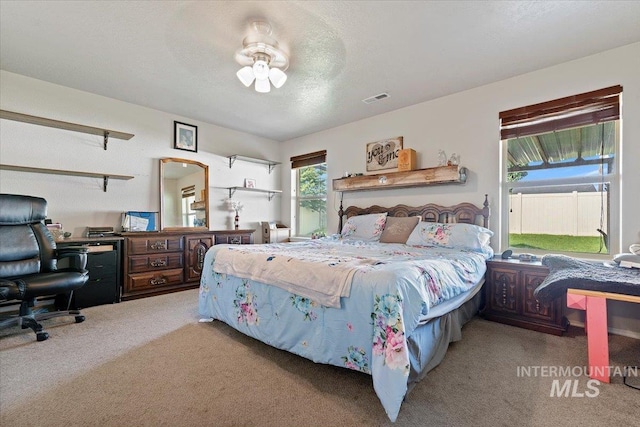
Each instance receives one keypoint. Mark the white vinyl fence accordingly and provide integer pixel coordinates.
(572, 214)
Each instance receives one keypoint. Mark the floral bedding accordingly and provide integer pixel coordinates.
(368, 333)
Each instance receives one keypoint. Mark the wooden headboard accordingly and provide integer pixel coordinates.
(462, 212)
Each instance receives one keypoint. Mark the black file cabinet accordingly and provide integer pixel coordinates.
(104, 266)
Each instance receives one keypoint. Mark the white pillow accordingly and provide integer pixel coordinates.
(366, 228)
(455, 236)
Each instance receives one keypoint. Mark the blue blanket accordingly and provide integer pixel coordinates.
(370, 332)
(566, 272)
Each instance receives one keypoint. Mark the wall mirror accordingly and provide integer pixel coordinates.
(184, 194)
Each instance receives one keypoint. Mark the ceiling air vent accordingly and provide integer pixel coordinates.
(375, 98)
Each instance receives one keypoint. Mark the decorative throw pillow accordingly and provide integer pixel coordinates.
(457, 236)
(398, 229)
(366, 228)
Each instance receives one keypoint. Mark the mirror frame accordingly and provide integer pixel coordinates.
(166, 160)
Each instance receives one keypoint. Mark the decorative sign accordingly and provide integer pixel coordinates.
(382, 155)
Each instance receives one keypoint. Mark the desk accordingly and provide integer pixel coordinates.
(594, 303)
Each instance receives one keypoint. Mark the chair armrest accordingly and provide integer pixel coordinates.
(10, 290)
(77, 256)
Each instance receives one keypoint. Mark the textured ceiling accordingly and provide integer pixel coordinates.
(178, 56)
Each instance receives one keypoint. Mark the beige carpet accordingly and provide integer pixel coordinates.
(150, 363)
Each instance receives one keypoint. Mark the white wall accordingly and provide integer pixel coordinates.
(467, 123)
(77, 202)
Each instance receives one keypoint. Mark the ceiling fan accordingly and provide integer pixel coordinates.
(262, 59)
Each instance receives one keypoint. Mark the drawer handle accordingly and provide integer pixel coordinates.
(235, 240)
(158, 263)
(201, 252)
(158, 245)
(161, 281)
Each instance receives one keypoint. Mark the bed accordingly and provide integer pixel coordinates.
(384, 306)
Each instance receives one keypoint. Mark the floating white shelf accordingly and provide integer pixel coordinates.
(41, 121)
(271, 193)
(35, 120)
(272, 164)
(105, 176)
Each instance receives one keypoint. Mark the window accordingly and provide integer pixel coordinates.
(310, 193)
(560, 184)
(188, 197)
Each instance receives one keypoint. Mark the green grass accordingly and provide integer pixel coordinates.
(552, 243)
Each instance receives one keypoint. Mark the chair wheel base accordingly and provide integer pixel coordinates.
(42, 336)
(80, 319)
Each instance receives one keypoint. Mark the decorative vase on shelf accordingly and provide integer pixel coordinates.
(236, 207)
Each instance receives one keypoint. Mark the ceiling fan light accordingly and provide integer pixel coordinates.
(245, 75)
(261, 54)
(277, 77)
(261, 70)
(263, 86)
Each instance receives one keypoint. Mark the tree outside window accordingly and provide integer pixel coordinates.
(312, 200)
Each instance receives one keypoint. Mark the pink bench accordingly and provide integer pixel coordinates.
(594, 304)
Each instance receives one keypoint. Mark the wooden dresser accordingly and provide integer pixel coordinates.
(161, 262)
(509, 297)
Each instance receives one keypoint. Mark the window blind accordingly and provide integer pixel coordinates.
(309, 159)
(188, 191)
(578, 110)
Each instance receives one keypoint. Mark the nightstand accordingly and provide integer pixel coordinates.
(509, 297)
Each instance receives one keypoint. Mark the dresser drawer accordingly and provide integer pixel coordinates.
(233, 239)
(154, 280)
(160, 261)
(147, 245)
(503, 290)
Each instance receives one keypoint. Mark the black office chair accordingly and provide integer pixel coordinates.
(29, 263)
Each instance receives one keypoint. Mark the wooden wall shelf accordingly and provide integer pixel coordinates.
(105, 176)
(35, 120)
(198, 206)
(417, 178)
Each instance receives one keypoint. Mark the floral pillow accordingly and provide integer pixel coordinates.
(366, 228)
(456, 236)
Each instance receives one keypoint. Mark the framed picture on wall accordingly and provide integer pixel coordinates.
(249, 183)
(185, 137)
(383, 154)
